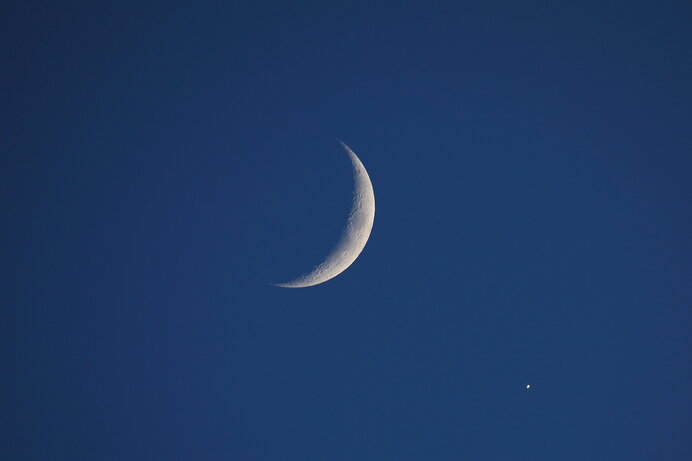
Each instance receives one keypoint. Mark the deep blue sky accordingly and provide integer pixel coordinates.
(160, 163)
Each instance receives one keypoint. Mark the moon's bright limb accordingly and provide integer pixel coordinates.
(354, 236)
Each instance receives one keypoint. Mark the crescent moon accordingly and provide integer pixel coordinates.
(354, 236)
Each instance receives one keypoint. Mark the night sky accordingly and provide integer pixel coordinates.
(161, 163)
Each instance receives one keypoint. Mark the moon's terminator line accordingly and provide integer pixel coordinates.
(355, 235)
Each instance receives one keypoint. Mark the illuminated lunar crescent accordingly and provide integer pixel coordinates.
(354, 236)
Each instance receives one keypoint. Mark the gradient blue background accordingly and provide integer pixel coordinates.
(160, 163)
